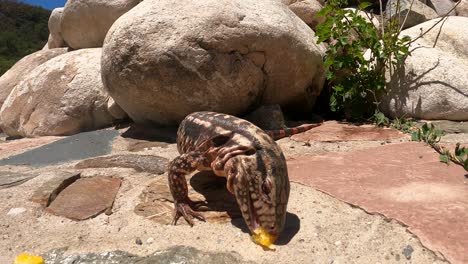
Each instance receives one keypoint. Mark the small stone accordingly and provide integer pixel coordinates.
(397, 257)
(150, 240)
(407, 251)
(301, 240)
(138, 241)
(16, 211)
(337, 243)
(319, 212)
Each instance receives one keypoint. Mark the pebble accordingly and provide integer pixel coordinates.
(138, 241)
(150, 240)
(337, 243)
(407, 251)
(16, 211)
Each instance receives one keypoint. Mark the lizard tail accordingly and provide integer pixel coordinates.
(287, 132)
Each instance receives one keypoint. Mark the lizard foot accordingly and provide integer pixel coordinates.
(185, 210)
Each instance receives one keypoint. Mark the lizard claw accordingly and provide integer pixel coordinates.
(185, 210)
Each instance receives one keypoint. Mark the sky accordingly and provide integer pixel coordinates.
(48, 4)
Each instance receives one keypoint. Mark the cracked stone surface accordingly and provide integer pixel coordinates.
(403, 181)
(141, 163)
(85, 198)
(45, 194)
(10, 179)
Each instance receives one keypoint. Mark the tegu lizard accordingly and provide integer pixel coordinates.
(247, 156)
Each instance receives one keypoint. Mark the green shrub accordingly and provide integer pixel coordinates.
(354, 79)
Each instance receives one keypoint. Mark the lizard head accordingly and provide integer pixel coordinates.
(261, 187)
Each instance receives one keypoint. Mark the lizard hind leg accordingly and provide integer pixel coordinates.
(178, 168)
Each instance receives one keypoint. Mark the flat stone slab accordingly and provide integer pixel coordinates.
(13, 147)
(157, 204)
(402, 181)
(175, 254)
(141, 163)
(80, 146)
(45, 194)
(85, 198)
(335, 131)
(9, 179)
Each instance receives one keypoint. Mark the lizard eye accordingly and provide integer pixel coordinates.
(266, 187)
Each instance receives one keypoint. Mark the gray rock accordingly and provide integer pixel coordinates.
(77, 147)
(84, 23)
(172, 255)
(62, 96)
(9, 179)
(268, 117)
(418, 13)
(180, 57)
(442, 7)
(141, 163)
(408, 251)
(432, 83)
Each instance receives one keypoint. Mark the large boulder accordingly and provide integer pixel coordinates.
(62, 96)
(433, 83)
(462, 8)
(24, 66)
(55, 37)
(306, 10)
(418, 12)
(85, 23)
(442, 7)
(165, 59)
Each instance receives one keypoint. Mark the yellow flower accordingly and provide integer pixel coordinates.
(28, 259)
(263, 238)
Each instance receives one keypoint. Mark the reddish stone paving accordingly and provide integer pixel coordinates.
(86, 198)
(402, 181)
(335, 131)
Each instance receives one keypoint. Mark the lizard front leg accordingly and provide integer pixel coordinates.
(178, 168)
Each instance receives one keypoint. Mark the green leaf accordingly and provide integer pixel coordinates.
(364, 5)
(416, 136)
(465, 165)
(444, 158)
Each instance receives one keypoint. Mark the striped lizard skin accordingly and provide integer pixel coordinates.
(247, 156)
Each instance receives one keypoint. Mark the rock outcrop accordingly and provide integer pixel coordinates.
(306, 10)
(62, 96)
(55, 37)
(85, 22)
(165, 59)
(418, 12)
(16, 73)
(432, 83)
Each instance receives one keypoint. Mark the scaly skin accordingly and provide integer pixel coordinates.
(247, 156)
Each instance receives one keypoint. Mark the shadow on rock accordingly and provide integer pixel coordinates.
(150, 133)
(215, 193)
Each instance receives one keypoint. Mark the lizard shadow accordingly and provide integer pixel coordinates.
(219, 199)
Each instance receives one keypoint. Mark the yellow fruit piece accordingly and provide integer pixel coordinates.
(28, 259)
(263, 238)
